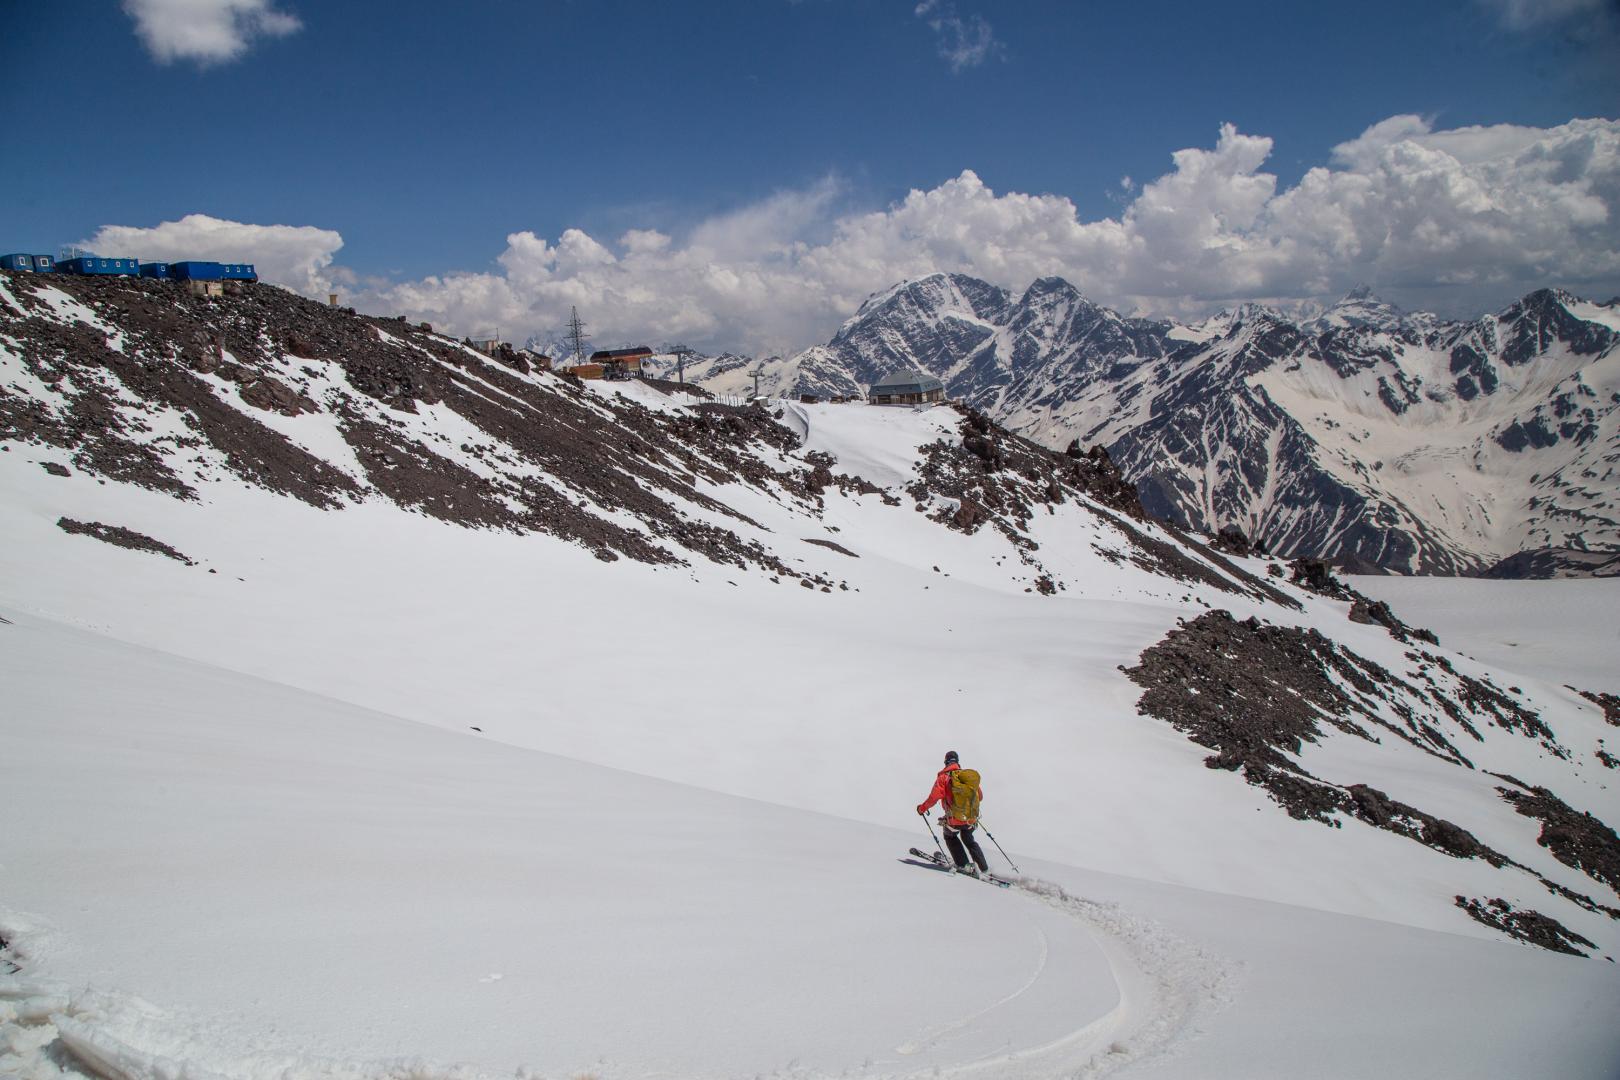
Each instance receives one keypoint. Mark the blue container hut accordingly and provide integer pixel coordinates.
(192, 270)
(156, 270)
(238, 272)
(16, 262)
(44, 264)
(93, 265)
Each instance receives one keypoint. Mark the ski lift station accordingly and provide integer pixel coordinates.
(613, 363)
(906, 388)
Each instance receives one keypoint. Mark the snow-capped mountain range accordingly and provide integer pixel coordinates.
(1364, 434)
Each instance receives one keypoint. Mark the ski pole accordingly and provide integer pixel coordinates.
(999, 848)
(935, 838)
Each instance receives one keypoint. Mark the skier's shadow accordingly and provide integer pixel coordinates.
(911, 860)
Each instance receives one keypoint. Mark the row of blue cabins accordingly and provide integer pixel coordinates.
(190, 270)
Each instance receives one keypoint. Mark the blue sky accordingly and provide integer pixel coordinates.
(427, 135)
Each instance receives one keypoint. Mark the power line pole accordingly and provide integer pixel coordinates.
(576, 335)
(757, 372)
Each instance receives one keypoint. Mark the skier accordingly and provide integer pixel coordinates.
(960, 801)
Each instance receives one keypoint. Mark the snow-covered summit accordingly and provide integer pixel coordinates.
(1360, 307)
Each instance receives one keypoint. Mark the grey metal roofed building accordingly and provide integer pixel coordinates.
(906, 388)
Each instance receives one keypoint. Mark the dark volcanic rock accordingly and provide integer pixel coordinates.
(1574, 837)
(1256, 694)
(118, 536)
(1232, 541)
(829, 545)
(1317, 576)
(272, 395)
(1609, 703)
(1376, 808)
(1377, 612)
(1527, 926)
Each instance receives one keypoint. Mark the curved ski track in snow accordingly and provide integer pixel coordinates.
(935, 1034)
(1167, 987)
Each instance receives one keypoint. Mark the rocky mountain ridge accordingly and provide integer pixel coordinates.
(146, 385)
(1365, 434)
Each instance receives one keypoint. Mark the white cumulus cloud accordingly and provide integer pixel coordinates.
(297, 256)
(1460, 221)
(206, 31)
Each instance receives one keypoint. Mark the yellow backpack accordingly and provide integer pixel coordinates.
(965, 795)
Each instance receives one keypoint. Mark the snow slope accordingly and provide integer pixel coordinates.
(1562, 630)
(727, 680)
(251, 881)
(361, 889)
(728, 660)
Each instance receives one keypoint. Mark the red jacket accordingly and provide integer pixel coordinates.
(942, 794)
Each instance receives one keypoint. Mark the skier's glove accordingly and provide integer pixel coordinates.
(922, 811)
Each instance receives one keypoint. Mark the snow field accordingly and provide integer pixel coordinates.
(1566, 631)
(359, 888)
(247, 881)
(717, 677)
(1319, 995)
(248, 832)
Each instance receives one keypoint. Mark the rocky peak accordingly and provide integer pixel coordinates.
(1359, 308)
(1052, 289)
(1537, 322)
(933, 296)
(1251, 317)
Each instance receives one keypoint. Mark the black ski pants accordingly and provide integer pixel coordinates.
(958, 837)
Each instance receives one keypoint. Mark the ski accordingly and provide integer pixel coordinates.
(941, 863)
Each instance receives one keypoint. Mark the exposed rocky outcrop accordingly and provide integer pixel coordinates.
(830, 546)
(1528, 926)
(1257, 695)
(1609, 703)
(1318, 577)
(119, 536)
(990, 477)
(1231, 541)
(1575, 837)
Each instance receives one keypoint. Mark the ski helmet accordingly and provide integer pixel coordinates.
(950, 757)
